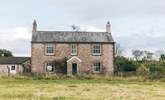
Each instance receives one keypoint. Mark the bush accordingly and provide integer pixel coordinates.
(142, 70)
(123, 64)
(38, 76)
(156, 68)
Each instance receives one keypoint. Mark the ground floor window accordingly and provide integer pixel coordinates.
(12, 67)
(49, 67)
(97, 67)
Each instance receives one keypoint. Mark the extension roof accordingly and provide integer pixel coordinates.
(13, 60)
(71, 36)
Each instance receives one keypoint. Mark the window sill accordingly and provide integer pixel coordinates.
(73, 54)
(49, 54)
(96, 54)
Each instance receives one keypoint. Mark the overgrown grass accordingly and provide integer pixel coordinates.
(84, 89)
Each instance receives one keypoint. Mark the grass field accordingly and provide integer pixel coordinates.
(72, 89)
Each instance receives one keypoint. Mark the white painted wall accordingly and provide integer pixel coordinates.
(6, 68)
(13, 71)
(3, 70)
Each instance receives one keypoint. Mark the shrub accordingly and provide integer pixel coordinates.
(156, 68)
(38, 76)
(61, 65)
(123, 64)
(142, 70)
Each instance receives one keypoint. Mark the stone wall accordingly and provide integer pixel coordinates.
(84, 53)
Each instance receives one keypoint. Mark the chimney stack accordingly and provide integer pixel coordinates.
(108, 27)
(34, 26)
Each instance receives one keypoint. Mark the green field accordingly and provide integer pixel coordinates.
(72, 89)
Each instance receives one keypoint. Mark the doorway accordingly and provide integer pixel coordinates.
(74, 68)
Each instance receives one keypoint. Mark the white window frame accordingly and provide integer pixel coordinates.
(14, 67)
(96, 65)
(46, 67)
(74, 48)
(94, 49)
(49, 45)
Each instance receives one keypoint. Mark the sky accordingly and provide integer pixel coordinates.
(136, 24)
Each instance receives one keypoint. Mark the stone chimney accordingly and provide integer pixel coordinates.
(108, 27)
(34, 26)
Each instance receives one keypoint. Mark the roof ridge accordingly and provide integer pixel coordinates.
(74, 31)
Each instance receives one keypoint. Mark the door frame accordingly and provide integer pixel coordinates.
(72, 60)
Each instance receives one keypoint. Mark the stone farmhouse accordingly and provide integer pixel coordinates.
(72, 52)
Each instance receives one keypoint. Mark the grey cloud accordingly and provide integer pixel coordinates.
(91, 9)
(19, 47)
(135, 23)
(144, 42)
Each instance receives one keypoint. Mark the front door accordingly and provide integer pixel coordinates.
(74, 68)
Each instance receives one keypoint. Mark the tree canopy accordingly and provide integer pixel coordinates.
(5, 53)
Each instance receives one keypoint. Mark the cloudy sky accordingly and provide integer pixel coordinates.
(136, 24)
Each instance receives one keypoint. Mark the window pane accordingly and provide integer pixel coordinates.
(49, 48)
(96, 48)
(12, 67)
(74, 48)
(96, 67)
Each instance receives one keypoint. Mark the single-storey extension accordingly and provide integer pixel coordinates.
(14, 65)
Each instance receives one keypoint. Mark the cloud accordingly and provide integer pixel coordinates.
(99, 9)
(135, 23)
(90, 28)
(11, 34)
(142, 42)
(17, 40)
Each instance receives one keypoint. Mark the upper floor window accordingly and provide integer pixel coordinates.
(73, 49)
(96, 67)
(49, 49)
(96, 49)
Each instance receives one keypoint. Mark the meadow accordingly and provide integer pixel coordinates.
(84, 89)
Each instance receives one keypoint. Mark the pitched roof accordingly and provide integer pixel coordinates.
(71, 36)
(13, 60)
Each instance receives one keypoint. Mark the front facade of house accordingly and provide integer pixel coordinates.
(71, 52)
(13, 65)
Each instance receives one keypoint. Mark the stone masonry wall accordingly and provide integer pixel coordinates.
(84, 52)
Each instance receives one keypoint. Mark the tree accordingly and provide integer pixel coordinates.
(138, 54)
(162, 57)
(118, 50)
(158, 54)
(5, 53)
(147, 55)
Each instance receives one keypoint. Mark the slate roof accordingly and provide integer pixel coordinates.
(13, 60)
(71, 36)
